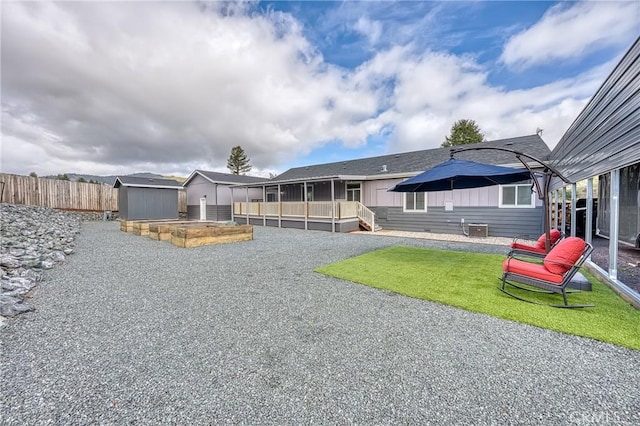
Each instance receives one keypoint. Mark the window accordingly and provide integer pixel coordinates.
(272, 197)
(517, 196)
(354, 190)
(415, 202)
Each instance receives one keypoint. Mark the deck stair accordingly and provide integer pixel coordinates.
(367, 219)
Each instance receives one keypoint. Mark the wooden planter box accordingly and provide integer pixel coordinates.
(210, 234)
(133, 225)
(162, 231)
(141, 227)
(126, 225)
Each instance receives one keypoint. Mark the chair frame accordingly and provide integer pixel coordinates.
(532, 253)
(542, 286)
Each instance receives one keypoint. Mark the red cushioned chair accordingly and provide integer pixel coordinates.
(537, 250)
(552, 276)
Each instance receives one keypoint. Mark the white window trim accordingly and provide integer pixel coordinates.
(413, 194)
(346, 189)
(531, 205)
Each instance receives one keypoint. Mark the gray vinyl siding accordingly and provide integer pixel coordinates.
(123, 205)
(151, 203)
(606, 134)
(213, 212)
(502, 222)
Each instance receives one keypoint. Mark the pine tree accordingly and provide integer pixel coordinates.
(238, 162)
(463, 132)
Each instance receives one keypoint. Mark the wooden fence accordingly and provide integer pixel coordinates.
(64, 194)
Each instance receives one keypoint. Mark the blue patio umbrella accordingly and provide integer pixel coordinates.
(461, 174)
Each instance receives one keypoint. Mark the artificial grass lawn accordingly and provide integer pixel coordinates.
(470, 280)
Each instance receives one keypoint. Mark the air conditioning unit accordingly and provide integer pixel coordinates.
(478, 230)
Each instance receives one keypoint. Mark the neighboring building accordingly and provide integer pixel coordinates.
(209, 195)
(147, 198)
(508, 210)
(604, 143)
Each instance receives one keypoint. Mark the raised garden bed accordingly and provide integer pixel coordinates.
(162, 231)
(187, 236)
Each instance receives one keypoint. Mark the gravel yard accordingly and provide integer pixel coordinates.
(131, 330)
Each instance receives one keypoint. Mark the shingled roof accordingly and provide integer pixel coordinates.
(142, 182)
(418, 161)
(224, 178)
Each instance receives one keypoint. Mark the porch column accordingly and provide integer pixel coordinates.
(279, 208)
(264, 203)
(574, 190)
(333, 206)
(614, 224)
(233, 206)
(306, 206)
(588, 223)
(247, 196)
(564, 208)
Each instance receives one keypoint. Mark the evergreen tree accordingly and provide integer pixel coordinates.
(238, 161)
(83, 180)
(33, 174)
(463, 132)
(63, 177)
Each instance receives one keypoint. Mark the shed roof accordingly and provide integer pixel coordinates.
(141, 182)
(414, 162)
(224, 178)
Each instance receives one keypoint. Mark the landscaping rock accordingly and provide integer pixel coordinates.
(33, 239)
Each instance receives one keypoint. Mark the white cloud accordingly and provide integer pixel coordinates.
(370, 29)
(182, 86)
(569, 30)
(433, 90)
(113, 88)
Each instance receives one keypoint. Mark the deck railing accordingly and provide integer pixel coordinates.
(311, 209)
(367, 216)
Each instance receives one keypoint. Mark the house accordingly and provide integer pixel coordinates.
(343, 196)
(209, 195)
(603, 144)
(147, 198)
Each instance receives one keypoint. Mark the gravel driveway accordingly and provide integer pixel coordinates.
(133, 330)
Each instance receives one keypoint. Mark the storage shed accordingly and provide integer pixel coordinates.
(147, 198)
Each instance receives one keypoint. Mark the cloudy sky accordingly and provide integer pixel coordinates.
(167, 87)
